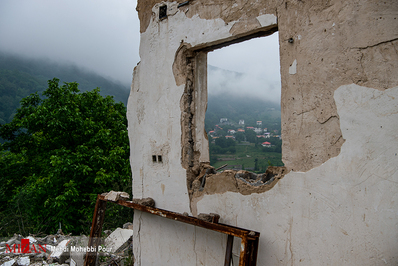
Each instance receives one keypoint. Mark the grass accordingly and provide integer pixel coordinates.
(246, 154)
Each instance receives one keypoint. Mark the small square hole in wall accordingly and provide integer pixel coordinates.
(160, 159)
(162, 12)
(154, 158)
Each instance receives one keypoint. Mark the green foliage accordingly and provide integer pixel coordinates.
(14, 85)
(251, 136)
(245, 155)
(60, 151)
(240, 136)
(224, 143)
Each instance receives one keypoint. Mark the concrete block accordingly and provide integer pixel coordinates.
(61, 252)
(116, 195)
(77, 258)
(118, 240)
(9, 263)
(23, 261)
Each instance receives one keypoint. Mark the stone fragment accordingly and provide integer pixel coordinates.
(60, 252)
(49, 239)
(108, 232)
(9, 263)
(211, 218)
(246, 175)
(118, 240)
(23, 261)
(149, 202)
(31, 239)
(116, 195)
(16, 238)
(128, 226)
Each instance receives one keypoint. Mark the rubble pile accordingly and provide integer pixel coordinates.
(115, 249)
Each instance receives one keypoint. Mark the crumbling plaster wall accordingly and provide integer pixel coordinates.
(339, 202)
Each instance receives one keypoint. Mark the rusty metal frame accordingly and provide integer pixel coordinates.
(249, 239)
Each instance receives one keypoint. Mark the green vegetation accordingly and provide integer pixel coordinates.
(15, 85)
(19, 77)
(60, 151)
(246, 155)
(243, 147)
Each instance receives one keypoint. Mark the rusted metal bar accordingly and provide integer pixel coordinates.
(243, 258)
(96, 229)
(228, 253)
(219, 227)
(249, 243)
(253, 249)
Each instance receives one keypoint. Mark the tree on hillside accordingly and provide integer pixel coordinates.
(60, 151)
(250, 136)
(240, 136)
(224, 143)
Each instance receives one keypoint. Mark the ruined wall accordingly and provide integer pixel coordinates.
(336, 201)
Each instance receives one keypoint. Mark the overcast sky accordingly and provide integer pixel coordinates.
(100, 35)
(103, 36)
(258, 59)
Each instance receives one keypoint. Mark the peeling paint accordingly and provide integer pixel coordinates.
(267, 20)
(293, 68)
(339, 140)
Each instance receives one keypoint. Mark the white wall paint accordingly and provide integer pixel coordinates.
(342, 212)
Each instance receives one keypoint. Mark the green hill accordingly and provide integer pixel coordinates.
(236, 108)
(21, 76)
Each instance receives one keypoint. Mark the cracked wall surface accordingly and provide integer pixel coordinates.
(336, 198)
(335, 43)
(343, 212)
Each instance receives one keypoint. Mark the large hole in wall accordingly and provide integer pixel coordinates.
(243, 118)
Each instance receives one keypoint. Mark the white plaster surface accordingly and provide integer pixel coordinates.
(153, 107)
(344, 212)
(167, 242)
(154, 117)
(267, 19)
(293, 67)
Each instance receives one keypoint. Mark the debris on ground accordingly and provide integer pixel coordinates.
(59, 249)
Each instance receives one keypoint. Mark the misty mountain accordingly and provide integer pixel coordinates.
(240, 96)
(251, 84)
(19, 77)
(228, 74)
